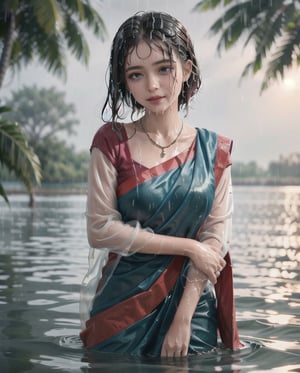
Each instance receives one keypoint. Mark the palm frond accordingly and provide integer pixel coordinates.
(80, 8)
(232, 26)
(76, 41)
(42, 33)
(205, 5)
(240, 19)
(86, 13)
(51, 54)
(17, 155)
(283, 59)
(5, 109)
(47, 14)
(265, 23)
(3, 194)
(94, 21)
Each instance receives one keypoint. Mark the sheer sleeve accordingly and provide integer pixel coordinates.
(216, 230)
(105, 228)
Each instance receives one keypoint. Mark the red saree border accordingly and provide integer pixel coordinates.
(120, 316)
(155, 171)
(222, 160)
(224, 146)
(109, 322)
(226, 315)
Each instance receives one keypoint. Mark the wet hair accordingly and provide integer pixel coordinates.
(156, 29)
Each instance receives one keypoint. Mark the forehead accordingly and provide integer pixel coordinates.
(148, 52)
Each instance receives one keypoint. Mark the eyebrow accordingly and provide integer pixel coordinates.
(136, 67)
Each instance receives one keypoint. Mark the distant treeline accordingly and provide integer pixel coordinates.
(286, 170)
(63, 165)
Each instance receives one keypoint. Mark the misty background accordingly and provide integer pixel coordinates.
(262, 126)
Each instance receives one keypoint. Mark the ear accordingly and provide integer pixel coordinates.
(187, 69)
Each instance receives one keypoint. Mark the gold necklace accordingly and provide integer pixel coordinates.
(162, 148)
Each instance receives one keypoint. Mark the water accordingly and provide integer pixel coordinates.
(43, 256)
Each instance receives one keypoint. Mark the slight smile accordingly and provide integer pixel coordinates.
(155, 99)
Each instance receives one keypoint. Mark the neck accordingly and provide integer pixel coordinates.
(162, 147)
(163, 125)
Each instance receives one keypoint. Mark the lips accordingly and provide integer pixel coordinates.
(155, 98)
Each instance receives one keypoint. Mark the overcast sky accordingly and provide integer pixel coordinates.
(263, 127)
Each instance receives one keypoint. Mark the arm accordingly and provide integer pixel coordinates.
(216, 231)
(215, 234)
(177, 339)
(105, 228)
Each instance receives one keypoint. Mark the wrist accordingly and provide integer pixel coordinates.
(182, 318)
(190, 248)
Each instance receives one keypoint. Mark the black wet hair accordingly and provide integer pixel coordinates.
(155, 28)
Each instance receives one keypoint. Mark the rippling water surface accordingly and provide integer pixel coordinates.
(43, 256)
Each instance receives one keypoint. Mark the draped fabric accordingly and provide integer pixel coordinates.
(133, 296)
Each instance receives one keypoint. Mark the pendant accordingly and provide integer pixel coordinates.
(162, 153)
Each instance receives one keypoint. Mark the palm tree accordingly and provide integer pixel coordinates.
(39, 30)
(44, 30)
(272, 25)
(17, 156)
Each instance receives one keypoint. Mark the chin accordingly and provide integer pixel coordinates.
(158, 110)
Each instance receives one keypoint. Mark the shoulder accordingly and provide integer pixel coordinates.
(108, 140)
(223, 156)
(222, 144)
(220, 147)
(224, 148)
(104, 136)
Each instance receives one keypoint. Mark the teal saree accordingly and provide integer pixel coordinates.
(137, 295)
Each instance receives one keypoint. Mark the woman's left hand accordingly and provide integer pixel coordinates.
(177, 339)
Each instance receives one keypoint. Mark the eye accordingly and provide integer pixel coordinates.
(167, 69)
(134, 76)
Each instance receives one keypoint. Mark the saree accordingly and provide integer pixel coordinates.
(133, 297)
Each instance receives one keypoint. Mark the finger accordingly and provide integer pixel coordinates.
(184, 352)
(163, 352)
(177, 353)
(220, 267)
(212, 277)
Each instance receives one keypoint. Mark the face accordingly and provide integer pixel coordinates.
(153, 79)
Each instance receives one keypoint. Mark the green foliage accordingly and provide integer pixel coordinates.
(46, 30)
(16, 155)
(42, 113)
(250, 169)
(286, 166)
(285, 170)
(272, 26)
(43, 31)
(60, 163)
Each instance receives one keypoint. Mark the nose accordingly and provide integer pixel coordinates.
(152, 82)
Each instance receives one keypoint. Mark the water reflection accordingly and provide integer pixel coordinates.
(267, 275)
(43, 256)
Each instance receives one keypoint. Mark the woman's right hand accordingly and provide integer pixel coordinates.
(207, 260)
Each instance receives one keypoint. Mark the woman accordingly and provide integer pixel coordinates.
(159, 206)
